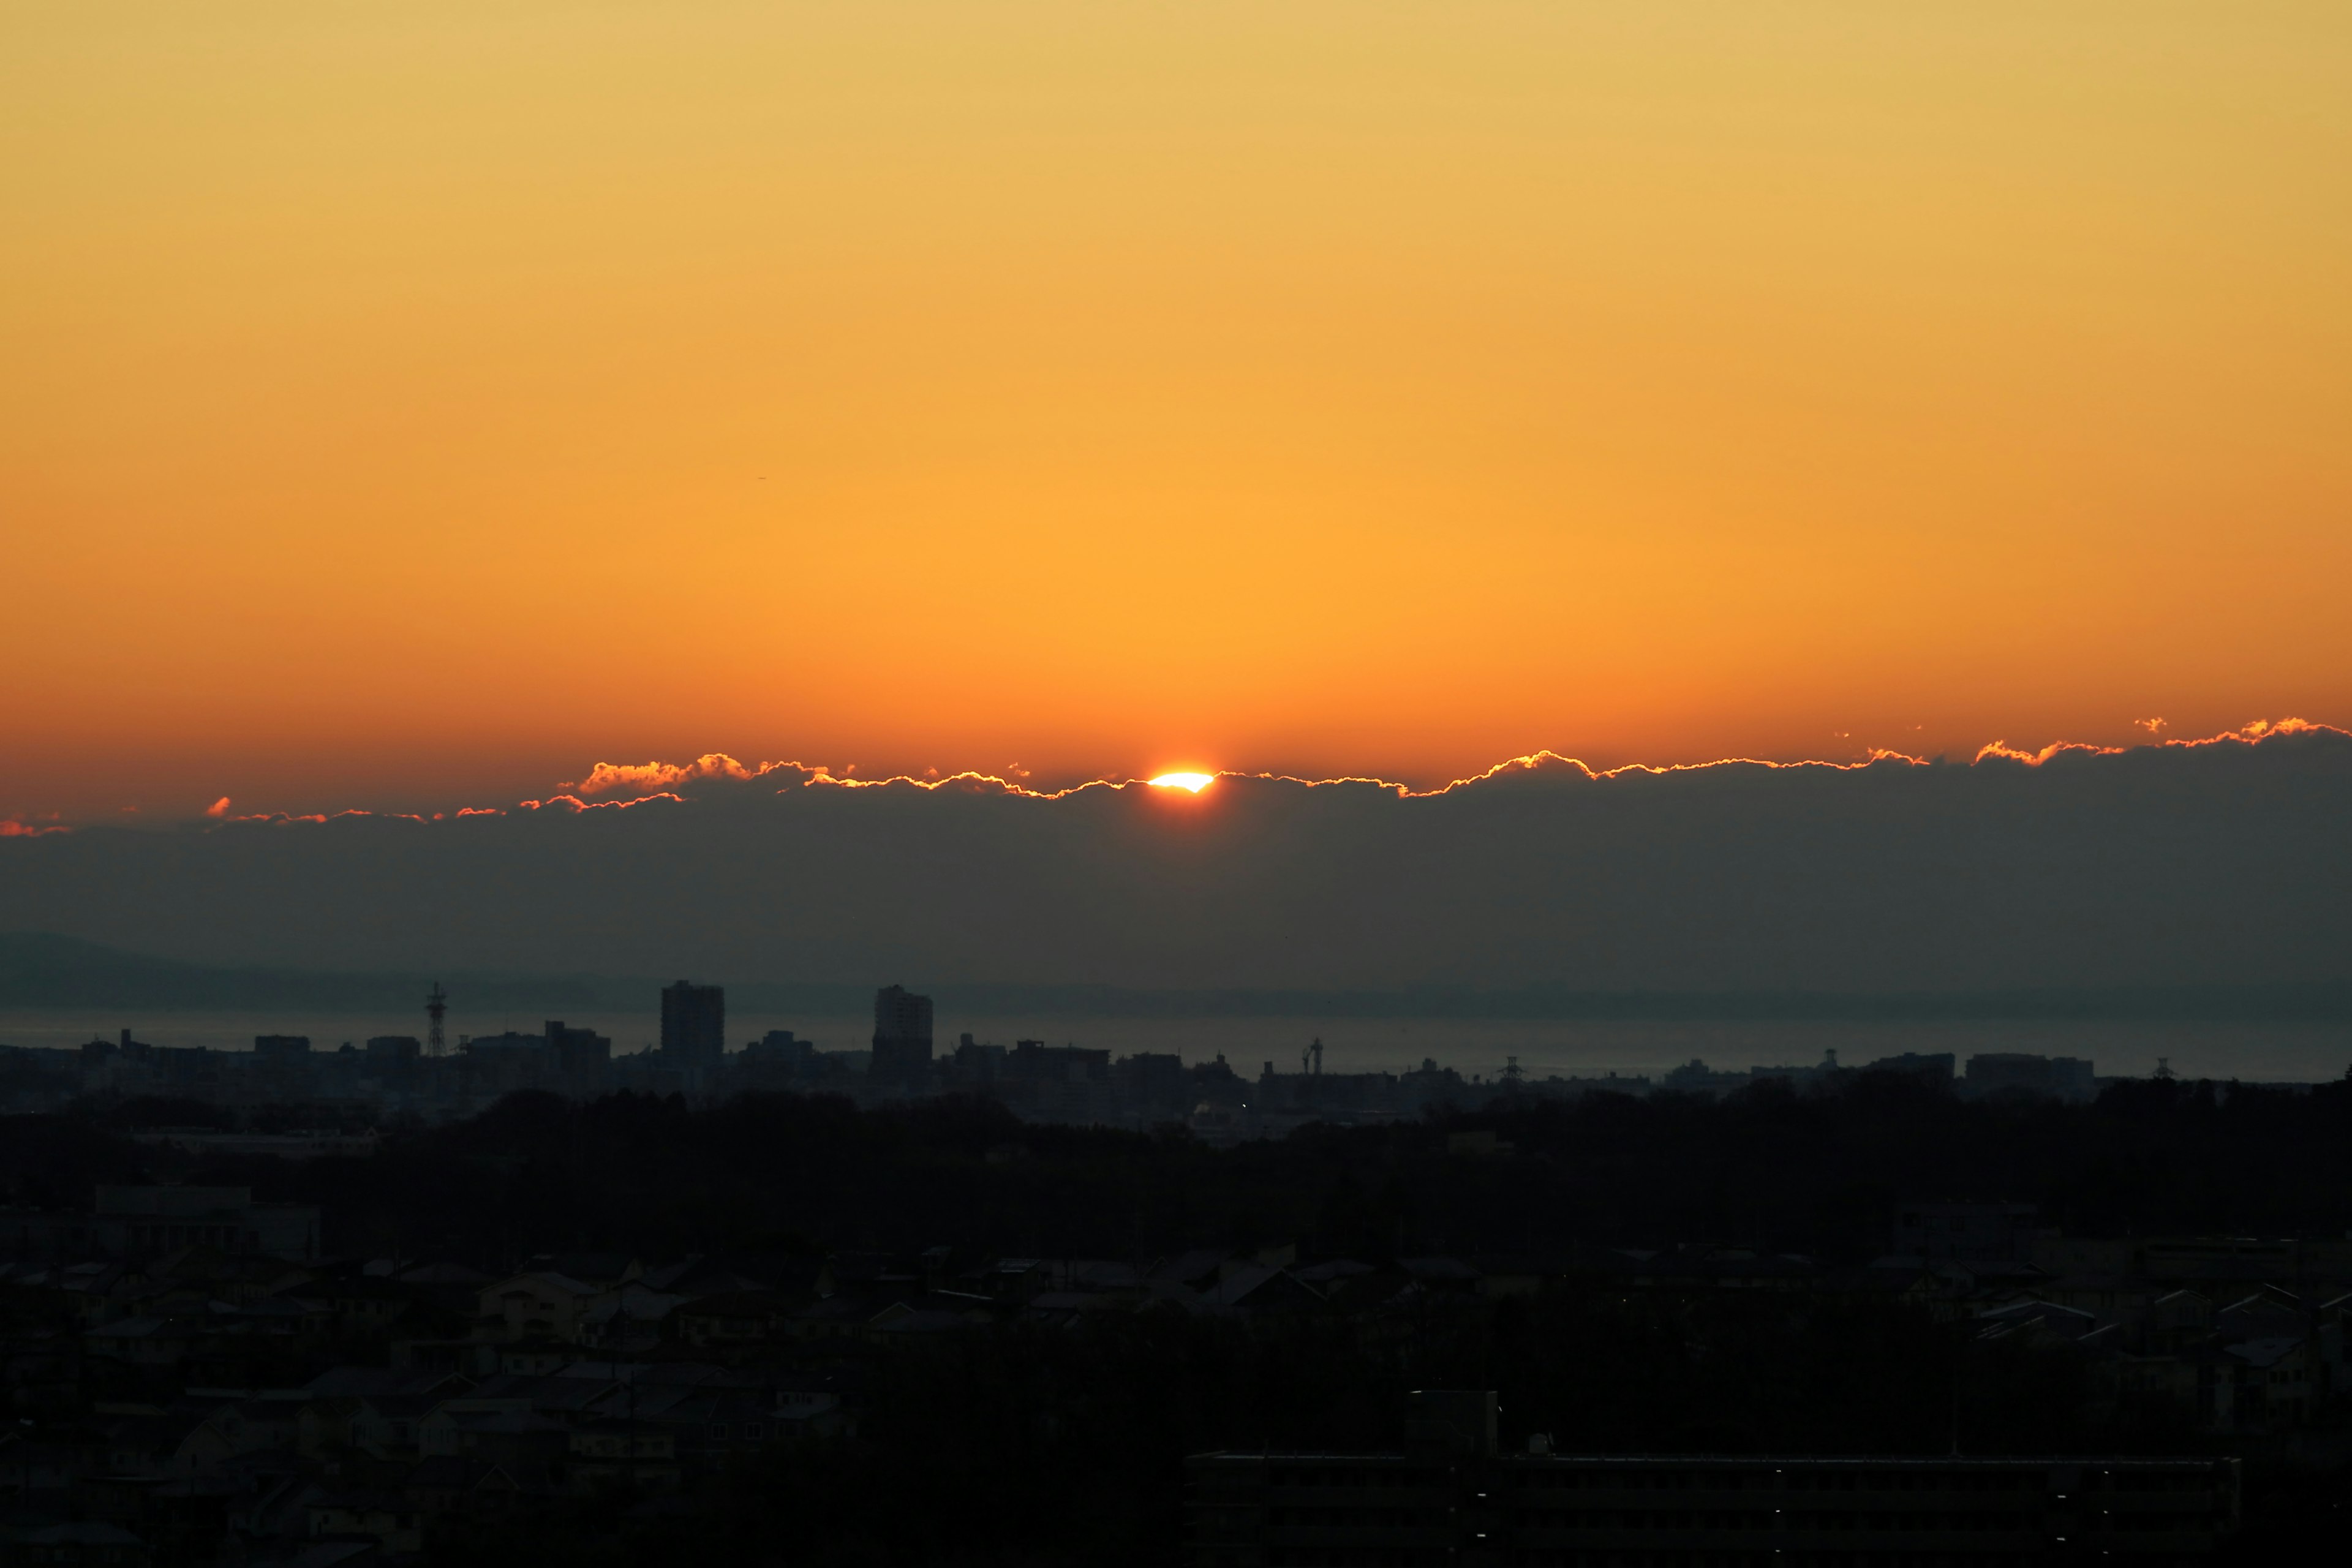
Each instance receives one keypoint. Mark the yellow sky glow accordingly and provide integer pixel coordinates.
(408, 396)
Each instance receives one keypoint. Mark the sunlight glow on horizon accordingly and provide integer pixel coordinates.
(1194, 782)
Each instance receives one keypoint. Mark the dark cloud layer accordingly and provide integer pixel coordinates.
(2225, 863)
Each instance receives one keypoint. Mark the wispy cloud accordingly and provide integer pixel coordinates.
(2249, 733)
(573, 804)
(658, 775)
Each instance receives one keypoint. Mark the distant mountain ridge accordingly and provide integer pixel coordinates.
(45, 970)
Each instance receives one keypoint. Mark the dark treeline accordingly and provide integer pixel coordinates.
(1814, 1175)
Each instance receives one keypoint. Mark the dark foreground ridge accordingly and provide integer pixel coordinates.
(782, 1329)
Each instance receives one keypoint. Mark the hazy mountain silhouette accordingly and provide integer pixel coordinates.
(45, 970)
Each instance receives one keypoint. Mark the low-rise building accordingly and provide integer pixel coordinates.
(1450, 1498)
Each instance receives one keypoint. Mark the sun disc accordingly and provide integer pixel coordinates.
(1195, 783)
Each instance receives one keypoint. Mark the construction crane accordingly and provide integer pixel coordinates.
(436, 1003)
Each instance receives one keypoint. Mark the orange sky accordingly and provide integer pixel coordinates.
(410, 400)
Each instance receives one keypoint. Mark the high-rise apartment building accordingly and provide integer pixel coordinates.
(694, 1024)
(902, 1036)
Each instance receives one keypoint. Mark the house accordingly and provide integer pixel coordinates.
(2268, 1313)
(385, 1426)
(535, 1304)
(613, 1452)
(177, 1442)
(29, 1468)
(365, 1305)
(835, 1316)
(2331, 1317)
(903, 1321)
(2276, 1381)
(448, 1484)
(441, 1275)
(1702, 1266)
(1062, 1309)
(154, 1221)
(1103, 1277)
(324, 1425)
(345, 1553)
(2177, 1319)
(508, 1437)
(697, 1276)
(298, 1317)
(268, 1421)
(1195, 1270)
(84, 1545)
(601, 1270)
(388, 1423)
(1895, 1280)
(1445, 1274)
(387, 1518)
(537, 1356)
(631, 1310)
(143, 1342)
(735, 1316)
(1255, 1287)
(719, 1423)
(580, 1388)
(273, 1509)
(377, 1382)
(1511, 1276)
(2036, 1320)
(1016, 1278)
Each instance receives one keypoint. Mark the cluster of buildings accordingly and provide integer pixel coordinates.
(2233, 1337)
(1452, 1497)
(201, 1405)
(2226, 1335)
(1038, 1081)
(1988, 1075)
(186, 1368)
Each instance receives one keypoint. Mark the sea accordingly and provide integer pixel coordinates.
(2266, 1050)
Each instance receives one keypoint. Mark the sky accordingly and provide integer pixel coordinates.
(413, 404)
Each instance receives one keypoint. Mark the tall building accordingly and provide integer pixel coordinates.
(581, 1059)
(902, 1036)
(694, 1024)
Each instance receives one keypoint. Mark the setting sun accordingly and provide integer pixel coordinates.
(1195, 783)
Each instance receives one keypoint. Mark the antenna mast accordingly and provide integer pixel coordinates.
(436, 1005)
